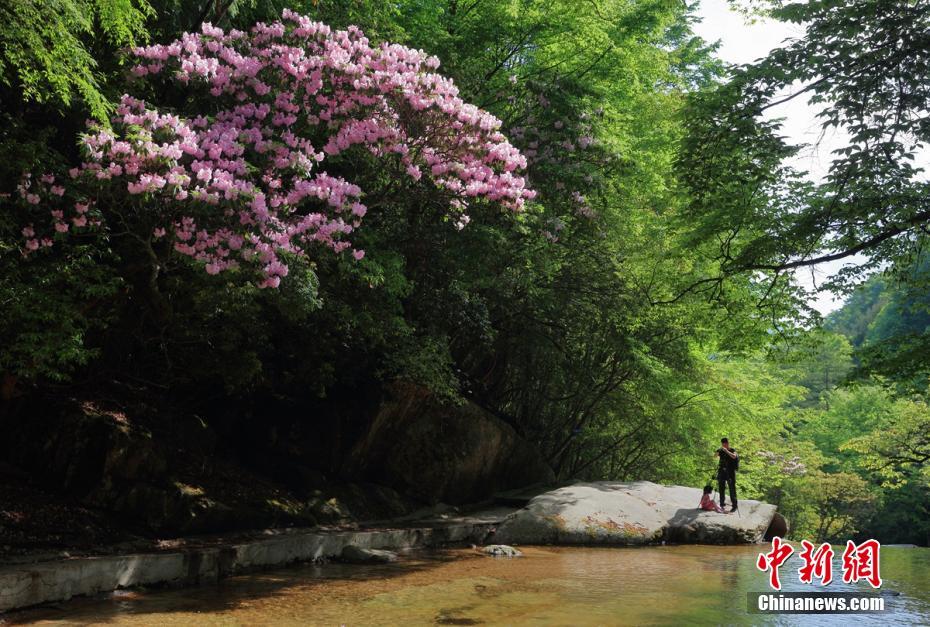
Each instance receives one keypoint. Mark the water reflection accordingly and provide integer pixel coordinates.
(550, 586)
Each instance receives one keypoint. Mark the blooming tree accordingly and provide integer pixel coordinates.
(243, 180)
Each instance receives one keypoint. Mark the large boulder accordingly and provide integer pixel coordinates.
(639, 512)
(441, 452)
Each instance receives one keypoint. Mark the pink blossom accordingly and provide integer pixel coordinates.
(250, 168)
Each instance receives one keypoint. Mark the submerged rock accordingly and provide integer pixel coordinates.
(357, 555)
(501, 550)
(638, 512)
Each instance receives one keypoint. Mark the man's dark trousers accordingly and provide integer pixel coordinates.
(726, 477)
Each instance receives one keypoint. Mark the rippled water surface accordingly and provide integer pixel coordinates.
(549, 586)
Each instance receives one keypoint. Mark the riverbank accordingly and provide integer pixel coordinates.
(196, 561)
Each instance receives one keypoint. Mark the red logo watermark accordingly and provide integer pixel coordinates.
(817, 563)
(771, 561)
(860, 562)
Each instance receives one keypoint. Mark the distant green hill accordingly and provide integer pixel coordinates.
(855, 317)
(887, 320)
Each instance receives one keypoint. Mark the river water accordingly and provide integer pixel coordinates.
(548, 586)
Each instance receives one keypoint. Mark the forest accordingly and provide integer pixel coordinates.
(249, 216)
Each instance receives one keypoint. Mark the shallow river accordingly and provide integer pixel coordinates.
(549, 586)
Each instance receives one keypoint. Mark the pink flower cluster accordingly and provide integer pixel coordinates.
(242, 180)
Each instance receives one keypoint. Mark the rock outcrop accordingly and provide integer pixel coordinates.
(633, 513)
(443, 453)
(164, 475)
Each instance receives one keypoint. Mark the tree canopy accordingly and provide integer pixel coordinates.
(864, 65)
(569, 213)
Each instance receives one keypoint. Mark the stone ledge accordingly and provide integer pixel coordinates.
(24, 585)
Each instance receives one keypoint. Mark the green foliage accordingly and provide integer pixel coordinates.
(47, 316)
(44, 51)
(864, 64)
(846, 414)
(887, 319)
(825, 507)
(856, 315)
(899, 449)
(852, 459)
(902, 515)
(49, 307)
(898, 340)
(743, 399)
(818, 360)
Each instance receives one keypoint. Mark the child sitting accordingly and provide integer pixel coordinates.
(707, 501)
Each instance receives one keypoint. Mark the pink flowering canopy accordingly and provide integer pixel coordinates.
(244, 182)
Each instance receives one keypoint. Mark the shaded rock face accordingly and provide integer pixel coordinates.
(105, 460)
(95, 456)
(442, 453)
(633, 513)
(176, 481)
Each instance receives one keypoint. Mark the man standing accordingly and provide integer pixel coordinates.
(726, 471)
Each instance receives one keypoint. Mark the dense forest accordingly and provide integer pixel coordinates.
(248, 215)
